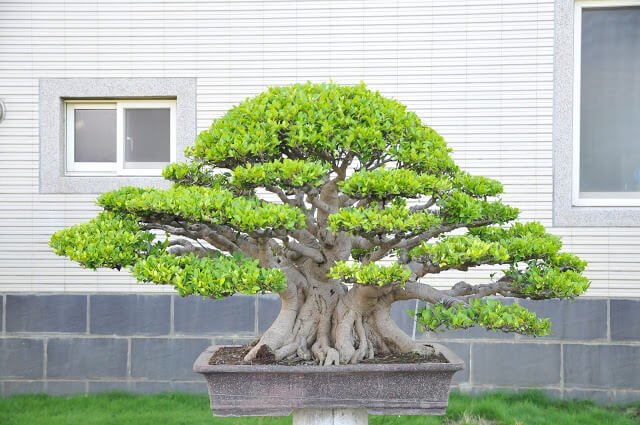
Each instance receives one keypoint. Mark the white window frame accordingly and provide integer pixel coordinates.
(73, 168)
(603, 199)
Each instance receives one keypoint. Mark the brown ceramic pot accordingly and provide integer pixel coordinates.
(382, 389)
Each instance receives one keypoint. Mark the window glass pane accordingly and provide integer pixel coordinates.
(146, 137)
(610, 101)
(94, 135)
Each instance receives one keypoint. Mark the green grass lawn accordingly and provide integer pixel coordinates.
(529, 408)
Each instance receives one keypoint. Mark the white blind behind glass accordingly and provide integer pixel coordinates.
(610, 100)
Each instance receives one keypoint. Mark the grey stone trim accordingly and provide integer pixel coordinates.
(21, 358)
(122, 314)
(228, 316)
(577, 360)
(164, 358)
(602, 366)
(268, 310)
(625, 320)
(579, 319)
(46, 313)
(53, 92)
(526, 364)
(86, 358)
(564, 213)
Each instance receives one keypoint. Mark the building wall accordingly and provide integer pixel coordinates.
(66, 343)
(480, 72)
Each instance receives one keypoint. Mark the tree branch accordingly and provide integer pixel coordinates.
(305, 250)
(184, 246)
(416, 290)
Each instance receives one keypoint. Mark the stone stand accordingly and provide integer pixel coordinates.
(330, 417)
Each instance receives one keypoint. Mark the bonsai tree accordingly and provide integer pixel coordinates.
(303, 190)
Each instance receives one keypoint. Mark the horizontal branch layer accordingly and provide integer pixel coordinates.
(202, 204)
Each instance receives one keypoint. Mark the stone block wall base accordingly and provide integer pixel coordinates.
(330, 417)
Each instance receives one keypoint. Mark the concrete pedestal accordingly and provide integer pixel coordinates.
(330, 417)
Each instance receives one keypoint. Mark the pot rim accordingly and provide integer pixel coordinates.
(202, 365)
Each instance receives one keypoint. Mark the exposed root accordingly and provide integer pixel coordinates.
(334, 328)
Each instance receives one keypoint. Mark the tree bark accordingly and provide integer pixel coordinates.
(331, 325)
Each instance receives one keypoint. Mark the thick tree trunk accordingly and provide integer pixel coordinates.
(333, 326)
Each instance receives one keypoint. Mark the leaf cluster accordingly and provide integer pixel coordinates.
(203, 204)
(109, 240)
(321, 122)
(395, 218)
(461, 208)
(370, 274)
(522, 241)
(477, 186)
(490, 314)
(460, 251)
(382, 184)
(557, 277)
(217, 276)
(194, 173)
(284, 173)
(424, 151)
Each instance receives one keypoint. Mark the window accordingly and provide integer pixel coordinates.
(99, 134)
(606, 104)
(119, 138)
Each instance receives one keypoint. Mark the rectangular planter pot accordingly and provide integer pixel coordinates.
(382, 389)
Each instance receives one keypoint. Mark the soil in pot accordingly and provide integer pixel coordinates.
(234, 355)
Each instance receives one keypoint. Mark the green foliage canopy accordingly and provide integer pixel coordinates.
(300, 142)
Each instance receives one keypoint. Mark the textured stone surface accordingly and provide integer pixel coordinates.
(21, 358)
(564, 213)
(86, 358)
(462, 350)
(268, 309)
(228, 316)
(106, 386)
(600, 396)
(165, 358)
(330, 417)
(47, 313)
(602, 366)
(22, 387)
(515, 364)
(190, 387)
(66, 387)
(150, 387)
(255, 390)
(580, 319)
(52, 178)
(624, 396)
(401, 317)
(130, 314)
(625, 320)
